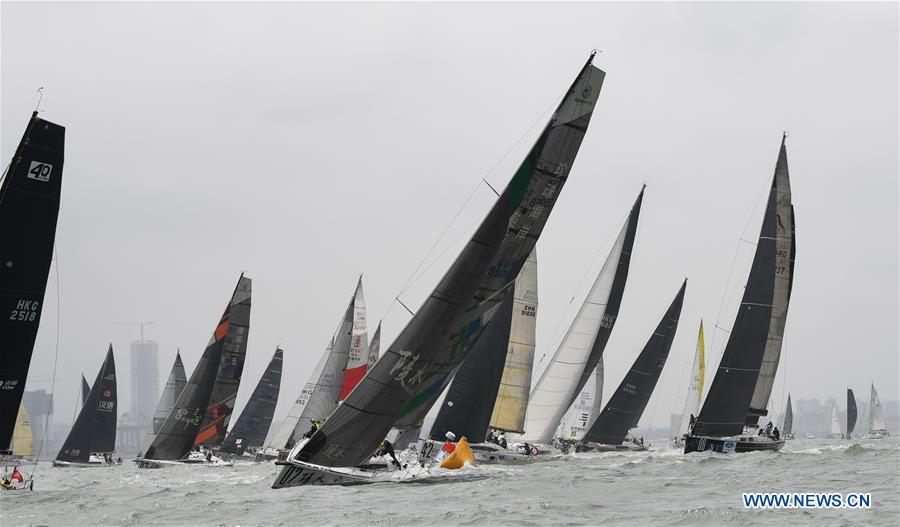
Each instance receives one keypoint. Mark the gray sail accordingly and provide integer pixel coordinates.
(176, 437)
(851, 412)
(787, 424)
(174, 386)
(784, 257)
(413, 371)
(252, 426)
(228, 378)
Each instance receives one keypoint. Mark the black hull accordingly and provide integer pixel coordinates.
(731, 445)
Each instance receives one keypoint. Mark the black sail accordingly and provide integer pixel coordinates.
(176, 437)
(616, 291)
(467, 409)
(412, 372)
(228, 378)
(29, 206)
(95, 427)
(253, 424)
(626, 406)
(851, 412)
(85, 389)
(728, 399)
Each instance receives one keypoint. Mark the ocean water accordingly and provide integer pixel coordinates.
(659, 487)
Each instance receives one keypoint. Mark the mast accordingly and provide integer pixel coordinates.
(412, 372)
(253, 424)
(584, 342)
(627, 404)
(784, 269)
(228, 378)
(29, 197)
(515, 383)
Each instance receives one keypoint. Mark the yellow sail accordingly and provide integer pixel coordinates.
(701, 354)
(23, 439)
(460, 456)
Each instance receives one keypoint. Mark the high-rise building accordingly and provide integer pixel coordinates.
(144, 380)
(39, 405)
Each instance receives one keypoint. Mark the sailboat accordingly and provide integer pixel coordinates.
(503, 350)
(251, 428)
(175, 440)
(877, 428)
(695, 390)
(582, 346)
(413, 371)
(743, 382)
(851, 413)
(787, 423)
(92, 440)
(835, 425)
(321, 394)
(624, 409)
(29, 198)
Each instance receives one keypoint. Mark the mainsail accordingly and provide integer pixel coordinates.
(412, 372)
(627, 404)
(252, 426)
(466, 410)
(787, 425)
(29, 198)
(695, 388)
(851, 412)
(320, 395)
(95, 428)
(876, 413)
(228, 379)
(727, 403)
(176, 437)
(515, 383)
(358, 359)
(581, 348)
(23, 436)
(835, 422)
(174, 386)
(785, 247)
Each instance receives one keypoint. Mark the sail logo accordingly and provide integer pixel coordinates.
(25, 311)
(586, 93)
(9, 385)
(181, 414)
(781, 229)
(607, 321)
(404, 367)
(106, 405)
(40, 171)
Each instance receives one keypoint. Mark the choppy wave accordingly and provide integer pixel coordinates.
(658, 487)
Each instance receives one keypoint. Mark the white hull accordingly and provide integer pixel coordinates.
(62, 464)
(834, 436)
(162, 463)
(627, 447)
(877, 434)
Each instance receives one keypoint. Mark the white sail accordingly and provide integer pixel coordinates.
(835, 422)
(358, 360)
(515, 385)
(556, 386)
(876, 413)
(585, 408)
(695, 388)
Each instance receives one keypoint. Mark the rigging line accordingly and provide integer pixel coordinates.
(55, 362)
(40, 92)
(412, 277)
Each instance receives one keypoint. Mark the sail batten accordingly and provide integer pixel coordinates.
(405, 382)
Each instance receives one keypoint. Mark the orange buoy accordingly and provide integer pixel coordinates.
(461, 455)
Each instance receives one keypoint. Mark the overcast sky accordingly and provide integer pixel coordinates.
(306, 143)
